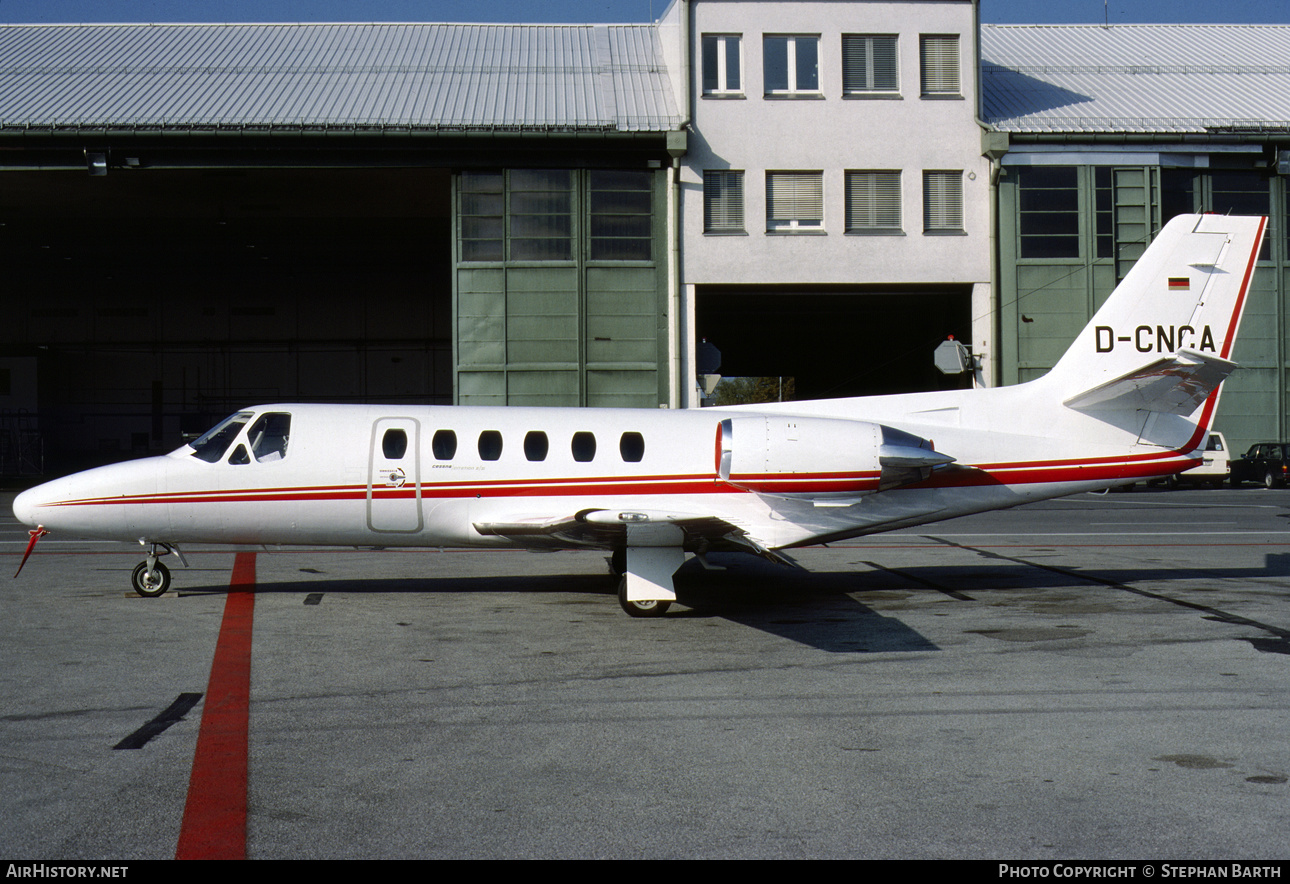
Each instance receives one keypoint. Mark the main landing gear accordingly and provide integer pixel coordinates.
(151, 578)
(645, 578)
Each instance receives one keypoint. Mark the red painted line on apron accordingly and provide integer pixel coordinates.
(214, 825)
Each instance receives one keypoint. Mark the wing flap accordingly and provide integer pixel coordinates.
(607, 529)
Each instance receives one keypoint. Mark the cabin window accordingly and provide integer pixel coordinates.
(490, 445)
(584, 447)
(444, 445)
(632, 447)
(269, 435)
(212, 444)
(394, 444)
(536, 445)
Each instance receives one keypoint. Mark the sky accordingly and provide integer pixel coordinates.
(591, 11)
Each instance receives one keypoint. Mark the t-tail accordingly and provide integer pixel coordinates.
(1153, 357)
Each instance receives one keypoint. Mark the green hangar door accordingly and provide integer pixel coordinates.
(560, 287)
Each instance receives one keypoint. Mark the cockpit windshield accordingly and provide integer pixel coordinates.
(212, 444)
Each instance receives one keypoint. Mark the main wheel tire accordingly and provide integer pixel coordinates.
(150, 584)
(642, 607)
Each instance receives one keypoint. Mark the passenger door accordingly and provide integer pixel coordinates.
(394, 476)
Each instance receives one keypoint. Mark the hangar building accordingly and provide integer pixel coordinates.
(194, 218)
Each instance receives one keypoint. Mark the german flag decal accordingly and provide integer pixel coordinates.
(1179, 284)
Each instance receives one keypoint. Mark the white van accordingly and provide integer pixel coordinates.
(1213, 470)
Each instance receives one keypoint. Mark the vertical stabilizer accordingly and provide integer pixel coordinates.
(1163, 340)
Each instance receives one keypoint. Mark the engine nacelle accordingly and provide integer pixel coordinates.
(815, 458)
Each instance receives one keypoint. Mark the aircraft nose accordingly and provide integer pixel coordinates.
(24, 506)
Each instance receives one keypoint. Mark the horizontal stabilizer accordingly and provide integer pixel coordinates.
(1176, 384)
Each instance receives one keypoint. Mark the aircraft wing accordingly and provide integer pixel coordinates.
(607, 529)
(1176, 384)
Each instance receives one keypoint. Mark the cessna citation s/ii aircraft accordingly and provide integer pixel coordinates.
(1132, 398)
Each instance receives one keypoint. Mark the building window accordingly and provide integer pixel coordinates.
(540, 214)
(1048, 211)
(794, 201)
(873, 202)
(482, 216)
(791, 65)
(723, 202)
(533, 206)
(1240, 192)
(722, 65)
(868, 64)
(622, 214)
(942, 202)
(939, 58)
(1104, 211)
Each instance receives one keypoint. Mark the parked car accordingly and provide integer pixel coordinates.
(1266, 462)
(1214, 470)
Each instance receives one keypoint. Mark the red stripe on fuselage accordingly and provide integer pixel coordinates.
(1007, 473)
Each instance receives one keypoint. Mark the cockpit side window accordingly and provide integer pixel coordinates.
(269, 436)
(212, 444)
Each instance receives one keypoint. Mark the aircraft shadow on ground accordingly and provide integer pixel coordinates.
(820, 609)
(813, 609)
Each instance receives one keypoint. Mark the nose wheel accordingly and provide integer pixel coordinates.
(151, 578)
(150, 582)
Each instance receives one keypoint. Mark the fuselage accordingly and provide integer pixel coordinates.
(432, 476)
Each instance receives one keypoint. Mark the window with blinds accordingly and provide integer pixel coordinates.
(939, 62)
(873, 202)
(722, 67)
(869, 63)
(794, 201)
(942, 202)
(723, 201)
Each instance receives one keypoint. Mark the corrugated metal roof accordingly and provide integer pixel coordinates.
(1136, 78)
(335, 76)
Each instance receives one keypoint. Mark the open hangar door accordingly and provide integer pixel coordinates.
(158, 300)
(835, 342)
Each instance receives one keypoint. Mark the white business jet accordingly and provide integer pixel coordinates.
(1132, 399)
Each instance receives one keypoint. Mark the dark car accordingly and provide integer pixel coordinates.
(1266, 462)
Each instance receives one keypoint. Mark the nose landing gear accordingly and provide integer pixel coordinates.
(151, 578)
